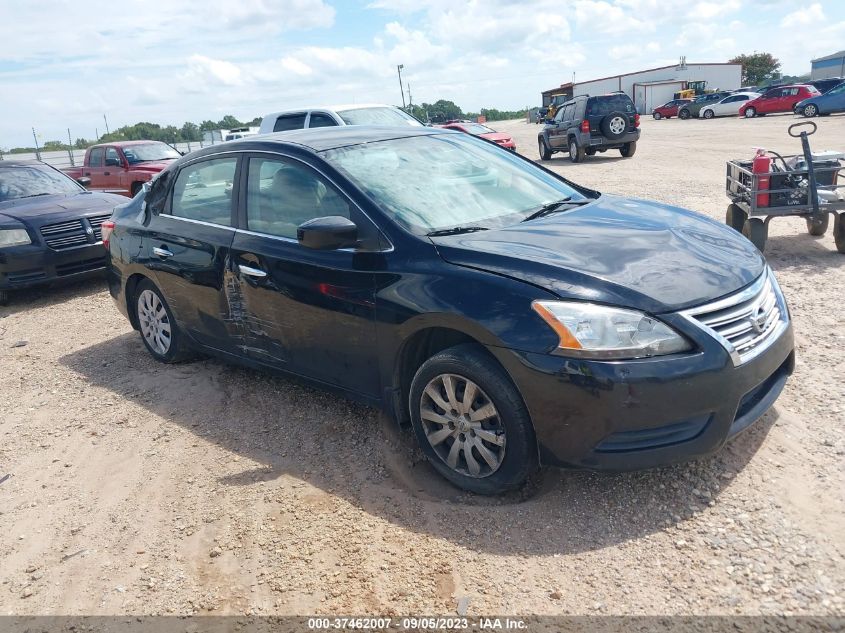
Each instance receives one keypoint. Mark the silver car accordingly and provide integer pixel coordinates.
(328, 116)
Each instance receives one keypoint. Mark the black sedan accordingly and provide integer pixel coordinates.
(49, 226)
(512, 317)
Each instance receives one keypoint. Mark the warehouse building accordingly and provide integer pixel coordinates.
(653, 87)
(829, 66)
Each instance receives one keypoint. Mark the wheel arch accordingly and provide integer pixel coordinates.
(129, 296)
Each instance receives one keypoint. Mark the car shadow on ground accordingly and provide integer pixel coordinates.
(32, 298)
(354, 452)
(611, 156)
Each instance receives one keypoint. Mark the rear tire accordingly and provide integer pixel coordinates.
(839, 232)
(497, 443)
(817, 224)
(735, 217)
(545, 152)
(159, 331)
(756, 231)
(628, 149)
(576, 152)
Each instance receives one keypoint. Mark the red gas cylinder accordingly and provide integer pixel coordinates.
(762, 165)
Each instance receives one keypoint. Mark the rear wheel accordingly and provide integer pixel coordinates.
(756, 231)
(810, 110)
(657, 116)
(590, 151)
(471, 423)
(839, 232)
(159, 331)
(735, 217)
(750, 113)
(576, 153)
(817, 223)
(684, 114)
(628, 149)
(545, 152)
(708, 114)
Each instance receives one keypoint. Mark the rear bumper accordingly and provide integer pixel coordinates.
(34, 264)
(600, 141)
(645, 413)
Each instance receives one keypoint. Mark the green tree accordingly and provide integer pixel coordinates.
(52, 146)
(228, 122)
(207, 125)
(757, 68)
(81, 143)
(443, 110)
(190, 132)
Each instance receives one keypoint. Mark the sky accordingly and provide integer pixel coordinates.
(66, 64)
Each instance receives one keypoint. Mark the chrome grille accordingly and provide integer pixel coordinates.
(97, 224)
(64, 235)
(747, 322)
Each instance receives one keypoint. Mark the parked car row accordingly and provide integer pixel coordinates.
(806, 99)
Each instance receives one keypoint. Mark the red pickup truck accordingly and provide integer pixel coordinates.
(122, 167)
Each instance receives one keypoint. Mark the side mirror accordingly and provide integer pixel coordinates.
(85, 181)
(327, 234)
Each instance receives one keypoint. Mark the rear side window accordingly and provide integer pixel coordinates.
(318, 119)
(290, 122)
(203, 191)
(602, 106)
(95, 158)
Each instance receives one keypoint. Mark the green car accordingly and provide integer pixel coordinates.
(691, 110)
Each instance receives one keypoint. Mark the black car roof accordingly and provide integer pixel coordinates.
(19, 163)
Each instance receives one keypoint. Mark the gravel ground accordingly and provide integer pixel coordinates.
(207, 488)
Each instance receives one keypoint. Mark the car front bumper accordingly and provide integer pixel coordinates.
(36, 264)
(629, 415)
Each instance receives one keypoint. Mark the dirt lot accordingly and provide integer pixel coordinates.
(207, 488)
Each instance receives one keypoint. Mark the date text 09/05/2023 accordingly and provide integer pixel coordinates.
(416, 623)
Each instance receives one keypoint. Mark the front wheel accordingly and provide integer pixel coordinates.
(750, 113)
(817, 224)
(576, 153)
(545, 152)
(839, 232)
(756, 231)
(159, 332)
(471, 423)
(684, 114)
(810, 110)
(657, 116)
(628, 149)
(708, 114)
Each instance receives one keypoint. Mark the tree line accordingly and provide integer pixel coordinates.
(190, 132)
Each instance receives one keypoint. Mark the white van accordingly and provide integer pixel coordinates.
(327, 116)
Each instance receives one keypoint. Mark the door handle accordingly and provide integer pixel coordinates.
(106, 173)
(252, 272)
(162, 252)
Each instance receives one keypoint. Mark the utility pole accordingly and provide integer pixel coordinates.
(70, 149)
(401, 88)
(410, 100)
(107, 123)
(96, 135)
(37, 149)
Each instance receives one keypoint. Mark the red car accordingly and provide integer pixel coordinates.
(476, 129)
(670, 109)
(122, 167)
(780, 99)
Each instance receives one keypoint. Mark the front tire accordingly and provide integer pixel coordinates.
(839, 232)
(159, 331)
(545, 152)
(810, 110)
(576, 152)
(684, 114)
(708, 114)
(735, 217)
(817, 224)
(657, 116)
(750, 113)
(471, 423)
(628, 149)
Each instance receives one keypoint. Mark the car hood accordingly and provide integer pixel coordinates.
(496, 136)
(152, 165)
(633, 253)
(60, 206)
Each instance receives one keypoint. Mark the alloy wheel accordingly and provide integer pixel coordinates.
(462, 425)
(617, 125)
(154, 322)
(810, 110)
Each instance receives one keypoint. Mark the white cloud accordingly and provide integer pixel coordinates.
(204, 69)
(806, 16)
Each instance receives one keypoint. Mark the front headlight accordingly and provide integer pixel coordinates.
(14, 237)
(589, 330)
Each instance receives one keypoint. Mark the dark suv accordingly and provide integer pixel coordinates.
(586, 125)
(691, 110)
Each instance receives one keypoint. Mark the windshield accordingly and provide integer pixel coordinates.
(35, 180)
(151, 151)
(378, 116)
(442, 181)
(476, 128)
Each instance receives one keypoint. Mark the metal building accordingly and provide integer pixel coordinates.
(828, 66)
(654, 86)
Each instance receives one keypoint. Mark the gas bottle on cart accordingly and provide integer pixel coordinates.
(761, 166)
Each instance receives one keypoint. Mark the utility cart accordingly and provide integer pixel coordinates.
(772, 185)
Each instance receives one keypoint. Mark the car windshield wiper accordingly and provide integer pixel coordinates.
(35, 195)
(552, 207)
(456, 230)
